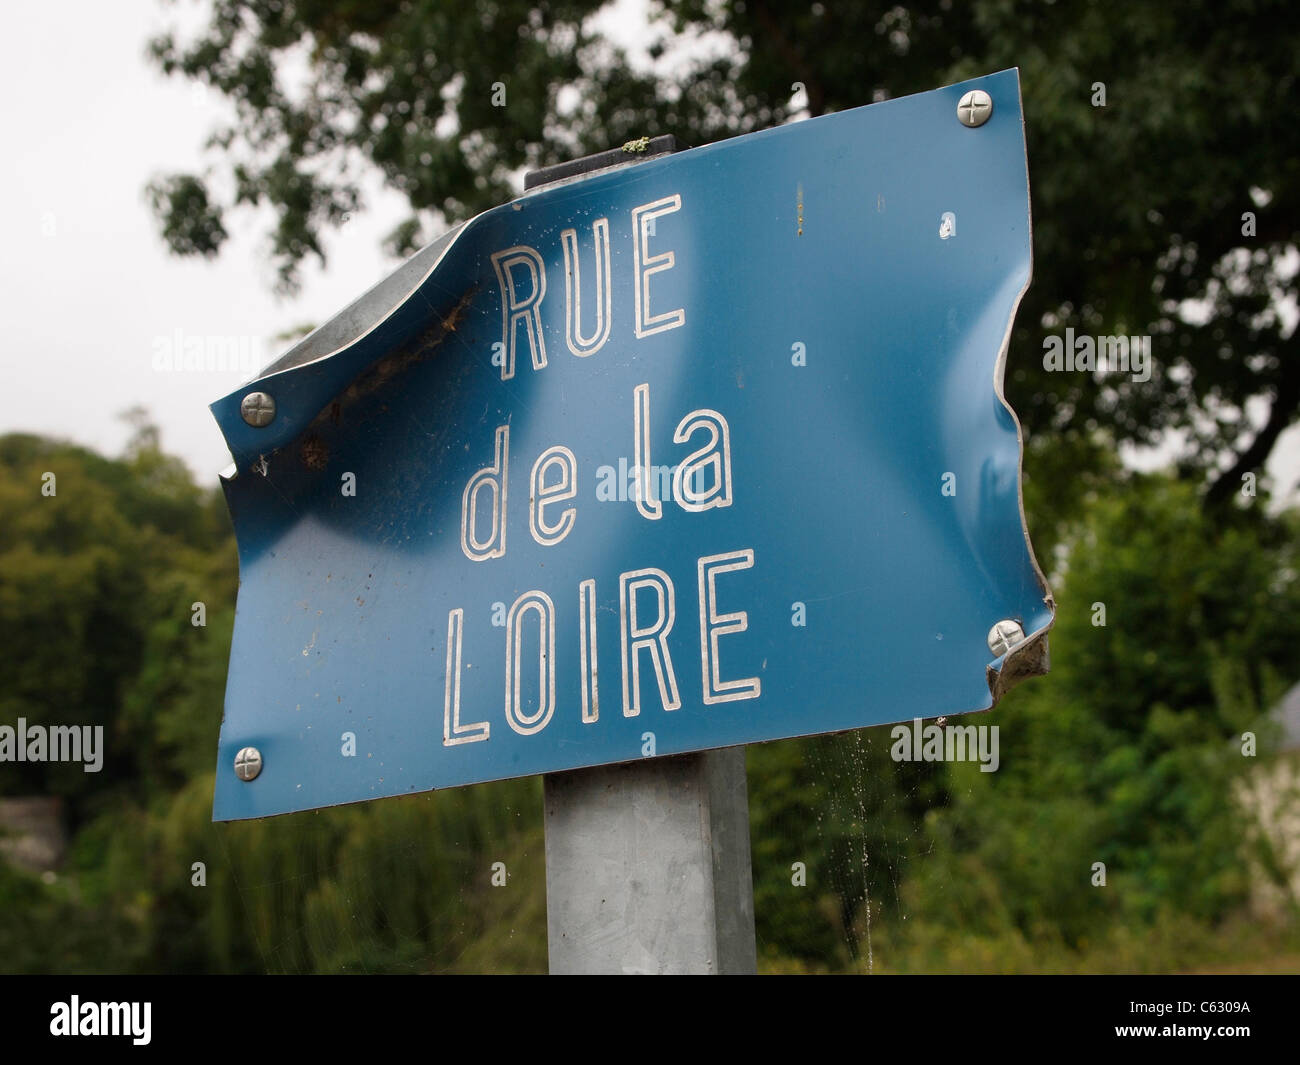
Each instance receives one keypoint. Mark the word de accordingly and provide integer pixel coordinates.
(700, 482)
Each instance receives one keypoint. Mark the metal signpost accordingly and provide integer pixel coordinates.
(648, 464)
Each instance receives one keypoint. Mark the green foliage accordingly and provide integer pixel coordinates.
(97, 585)
(82, 591)
(1127, 754)
(191, 223)
(841, 806)
(47, 928)
(396, 886)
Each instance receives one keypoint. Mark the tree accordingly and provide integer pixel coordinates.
(98, 578)
(1129, 756)
(1162, 189)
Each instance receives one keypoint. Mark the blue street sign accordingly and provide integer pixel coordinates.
(705, 451)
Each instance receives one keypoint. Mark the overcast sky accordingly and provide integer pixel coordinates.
(89, 295)
(88, 290)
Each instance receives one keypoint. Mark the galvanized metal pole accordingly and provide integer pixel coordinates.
(647, 863)
(647, 867)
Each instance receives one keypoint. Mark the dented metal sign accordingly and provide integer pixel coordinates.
(705, 451)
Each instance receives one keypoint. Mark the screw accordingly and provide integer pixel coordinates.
(975, 108)
(258, 409)
(248, 763)
(1004, 636)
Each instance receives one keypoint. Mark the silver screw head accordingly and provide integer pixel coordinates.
(975, 108)
(248, 763)
(1004, 636)
(258, 409)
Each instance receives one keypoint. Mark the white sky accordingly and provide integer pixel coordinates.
(87, 122)
(87, 289)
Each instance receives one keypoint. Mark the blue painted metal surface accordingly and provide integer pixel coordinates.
(822, 243)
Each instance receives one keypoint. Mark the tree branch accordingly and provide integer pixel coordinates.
(1285, 403)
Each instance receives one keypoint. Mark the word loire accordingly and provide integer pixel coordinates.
(521, 276)
(647, 607)
(701, 482)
